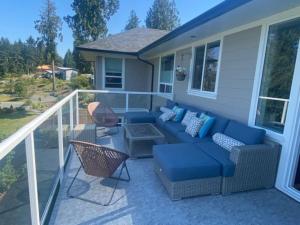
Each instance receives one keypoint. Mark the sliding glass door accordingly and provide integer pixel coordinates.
(278, 74)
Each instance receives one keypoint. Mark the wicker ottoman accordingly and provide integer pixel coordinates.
(186, 171)
(85, 132)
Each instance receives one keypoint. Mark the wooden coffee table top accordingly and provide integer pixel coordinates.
(142, 131)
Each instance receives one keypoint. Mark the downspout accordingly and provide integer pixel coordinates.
(152, 77)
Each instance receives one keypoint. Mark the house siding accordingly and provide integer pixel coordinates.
(137, 78)
(137, 75)
(237, 71)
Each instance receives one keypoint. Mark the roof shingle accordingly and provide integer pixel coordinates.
(130, 41)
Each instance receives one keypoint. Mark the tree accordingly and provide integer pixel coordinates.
(49, 26)
(68, 59)
(163, 15)
(133, 21)
(89, 23)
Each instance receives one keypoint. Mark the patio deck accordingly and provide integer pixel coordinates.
(145, 201)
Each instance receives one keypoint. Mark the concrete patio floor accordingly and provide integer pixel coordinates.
(144, 201)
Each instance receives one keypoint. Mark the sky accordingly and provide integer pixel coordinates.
(17, 16)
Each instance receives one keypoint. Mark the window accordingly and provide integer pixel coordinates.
(205, 70)
(166, 74)
(113, 69)
(277, 75)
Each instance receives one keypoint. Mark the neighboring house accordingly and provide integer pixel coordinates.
(241, 59)
(67, 73)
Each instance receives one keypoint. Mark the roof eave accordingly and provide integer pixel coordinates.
(106, 51)
(211, 14)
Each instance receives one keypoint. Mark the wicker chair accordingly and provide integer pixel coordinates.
(99, 161)
(103, 116)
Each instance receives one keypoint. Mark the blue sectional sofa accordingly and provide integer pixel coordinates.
(191, 166)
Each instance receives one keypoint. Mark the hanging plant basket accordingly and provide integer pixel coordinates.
(180, 73)
(180, 76)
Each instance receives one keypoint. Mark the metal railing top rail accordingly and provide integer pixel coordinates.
(274, 99)
(167, 95)
(16, 138)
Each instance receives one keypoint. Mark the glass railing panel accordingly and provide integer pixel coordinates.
(66, 126)
(158, 101)
(14, 194)
(139, 102)
(117, 102)
(47, 159)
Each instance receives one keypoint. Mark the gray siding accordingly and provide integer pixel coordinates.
(98, 77)
(137, 75)
(137, 78)
(236, 79)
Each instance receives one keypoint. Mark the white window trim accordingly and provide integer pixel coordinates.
(104, 73)
(289, 156)
(201, 93)
(173, 79)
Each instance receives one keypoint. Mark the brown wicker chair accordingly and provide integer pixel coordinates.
(99, 161)
(103, 116)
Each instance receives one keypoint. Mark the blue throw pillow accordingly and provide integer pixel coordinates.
(179, 113)
(208, 123)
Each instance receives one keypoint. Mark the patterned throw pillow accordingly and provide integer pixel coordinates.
(187, 118)
(179, 113)
(225, 141)
(167, 116)
(194, 126)
(164, 109)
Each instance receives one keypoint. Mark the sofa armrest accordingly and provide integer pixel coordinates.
(255, 153)
(256, 167)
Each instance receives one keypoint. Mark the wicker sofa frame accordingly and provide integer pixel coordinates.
(189, 188)
(256, 167)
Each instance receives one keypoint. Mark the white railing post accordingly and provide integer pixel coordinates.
(127, 102)
(32, 180)
(60, 144)
(71, 114)
(77, 109)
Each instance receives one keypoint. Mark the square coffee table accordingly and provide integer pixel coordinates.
(140, 137)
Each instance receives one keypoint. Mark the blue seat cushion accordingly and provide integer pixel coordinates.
(139, 117)
(186, 138)
(173, 127)
(221, 155)
(159, 123)
(185, 162)
(219, 124)
(244, 133)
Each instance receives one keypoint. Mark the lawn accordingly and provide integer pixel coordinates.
(9, 98)
(11, 122)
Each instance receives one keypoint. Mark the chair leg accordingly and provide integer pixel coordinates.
(114, 188)
(72, 182)
(117, 181)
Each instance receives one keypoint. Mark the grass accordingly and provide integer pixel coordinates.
(11, 122)
(8, 98)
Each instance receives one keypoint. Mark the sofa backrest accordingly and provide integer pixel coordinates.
(244, 133)
(170, 104)
(219, 124)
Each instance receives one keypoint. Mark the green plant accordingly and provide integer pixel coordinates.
(21, 89)
(80, 82)
(28, 102)
(8, 174)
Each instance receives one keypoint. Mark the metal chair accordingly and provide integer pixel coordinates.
(104, 117)
(99, 161)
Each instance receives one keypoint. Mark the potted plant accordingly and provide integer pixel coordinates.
(180, 73)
